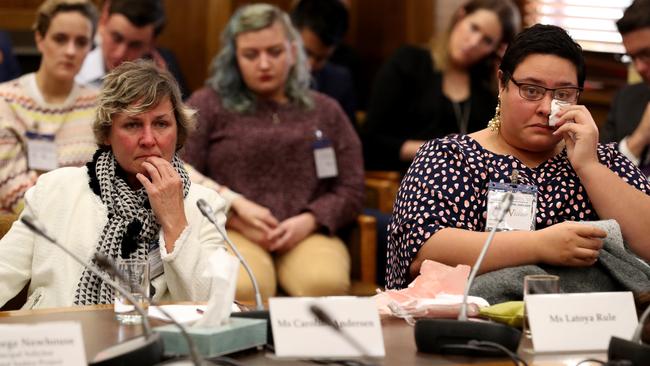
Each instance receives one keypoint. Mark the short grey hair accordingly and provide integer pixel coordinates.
(226, 77)
(140, 82)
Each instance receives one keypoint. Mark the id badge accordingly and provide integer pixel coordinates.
(41, 152)
(324, 157)
(155, 261)
(521, 215)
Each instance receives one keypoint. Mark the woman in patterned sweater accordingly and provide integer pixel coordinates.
(45, 118)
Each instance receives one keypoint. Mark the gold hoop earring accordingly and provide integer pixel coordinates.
(495, 123)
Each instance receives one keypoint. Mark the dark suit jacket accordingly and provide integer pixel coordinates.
(336, 82)
(626, 112)
(9, 67)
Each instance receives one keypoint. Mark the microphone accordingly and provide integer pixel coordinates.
(326, 319)
(146, 350)
(207, 211)
(463, 336)
(633, 352)
(259, 312)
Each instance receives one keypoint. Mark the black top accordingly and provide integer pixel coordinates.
(407, 103)
(625, 113)
(336, 82)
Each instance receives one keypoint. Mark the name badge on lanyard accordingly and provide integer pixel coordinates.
(324, 157)
(522, 212)
(41, 152)
(155, 261)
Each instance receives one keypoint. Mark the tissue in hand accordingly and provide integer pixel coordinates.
(556, 106)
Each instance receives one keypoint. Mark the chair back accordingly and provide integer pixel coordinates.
(6, 220)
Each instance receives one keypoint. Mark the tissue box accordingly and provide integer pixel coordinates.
(236, 335)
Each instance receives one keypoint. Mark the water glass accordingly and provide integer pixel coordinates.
(538, 284)
(136, 278)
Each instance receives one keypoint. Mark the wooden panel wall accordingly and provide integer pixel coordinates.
(16, 15)
(377, 28)
(192, 32)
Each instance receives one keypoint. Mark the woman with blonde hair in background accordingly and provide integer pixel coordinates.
(420, 94)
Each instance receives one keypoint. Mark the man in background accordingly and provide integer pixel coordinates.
(628, 121)
(127, 31)
(322, 25)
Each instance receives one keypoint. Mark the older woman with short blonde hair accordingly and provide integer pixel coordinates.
(133, 200)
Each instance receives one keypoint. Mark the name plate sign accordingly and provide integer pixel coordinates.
(298, 333)
(579, 322)
(52, 344)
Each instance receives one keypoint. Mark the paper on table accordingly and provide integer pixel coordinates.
(184, 314)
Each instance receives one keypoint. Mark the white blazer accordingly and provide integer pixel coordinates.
(63, 203)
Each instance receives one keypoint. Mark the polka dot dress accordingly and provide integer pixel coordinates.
(446, 186)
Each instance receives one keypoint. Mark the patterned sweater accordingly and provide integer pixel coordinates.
(23, 109)
(268, 156)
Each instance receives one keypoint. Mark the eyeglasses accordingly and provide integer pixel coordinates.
(642, 56)
(534, 92)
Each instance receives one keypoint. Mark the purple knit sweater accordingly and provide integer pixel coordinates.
(268, 156)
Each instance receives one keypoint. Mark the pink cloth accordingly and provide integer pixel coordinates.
(436, 292)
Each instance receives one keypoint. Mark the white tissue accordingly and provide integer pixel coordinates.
(222, 270)
(555, 108)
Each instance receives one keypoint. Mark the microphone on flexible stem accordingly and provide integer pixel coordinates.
(633, 352)
(107, 264)
(326, 319)
(207, 211)
(259, 312)
(462, 336)
(147, 350)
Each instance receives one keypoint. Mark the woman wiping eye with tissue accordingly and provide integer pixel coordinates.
(446, 200)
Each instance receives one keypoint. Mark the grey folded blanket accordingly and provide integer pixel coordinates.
(616, 270)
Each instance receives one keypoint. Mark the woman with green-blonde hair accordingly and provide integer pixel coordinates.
(290, 153)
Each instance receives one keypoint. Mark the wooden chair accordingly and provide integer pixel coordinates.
(381, 186)
(381, 189)
(6, 220)
(362, 244)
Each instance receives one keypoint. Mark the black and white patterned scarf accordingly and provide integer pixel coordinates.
(131, 228)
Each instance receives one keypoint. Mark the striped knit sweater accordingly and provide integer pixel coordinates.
(23, 109)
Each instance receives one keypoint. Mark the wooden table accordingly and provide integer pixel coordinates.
(100, 330)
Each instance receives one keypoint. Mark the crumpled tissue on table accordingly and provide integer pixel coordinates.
(436, 292)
